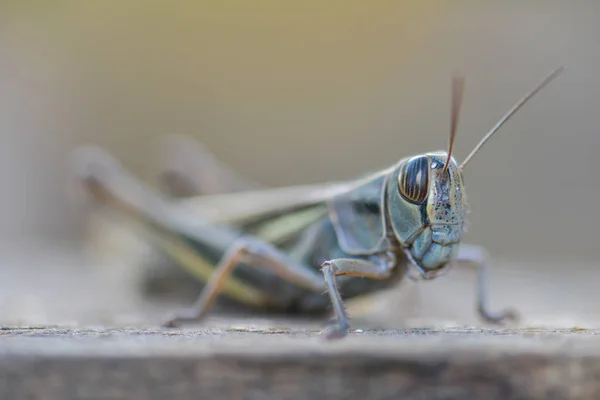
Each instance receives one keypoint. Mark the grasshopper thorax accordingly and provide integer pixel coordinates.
(426, 209)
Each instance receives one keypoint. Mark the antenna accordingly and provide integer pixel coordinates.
(458, 88)
(511, 112)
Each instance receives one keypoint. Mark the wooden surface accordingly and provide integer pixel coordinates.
(72, 330)
(286, 364)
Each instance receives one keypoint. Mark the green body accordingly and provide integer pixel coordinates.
(308, 231)
(364, 219)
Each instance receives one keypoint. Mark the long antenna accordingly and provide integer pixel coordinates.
(512, 111)
(458, 88)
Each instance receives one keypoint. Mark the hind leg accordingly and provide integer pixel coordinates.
(190, 169)
(187, 169)
(257, 254)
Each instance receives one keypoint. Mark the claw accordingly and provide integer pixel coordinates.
(185, 316)
(170, 324)
(336, 332)
(509, 315)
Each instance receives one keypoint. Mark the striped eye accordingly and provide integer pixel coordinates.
(413, 180)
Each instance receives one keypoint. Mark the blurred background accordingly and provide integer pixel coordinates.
(305, 92)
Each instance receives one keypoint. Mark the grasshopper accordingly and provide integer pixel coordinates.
(306, 249)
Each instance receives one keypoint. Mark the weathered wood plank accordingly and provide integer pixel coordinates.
(290, 364)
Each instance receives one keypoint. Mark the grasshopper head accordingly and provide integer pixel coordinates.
(425, 197)
(427, 209)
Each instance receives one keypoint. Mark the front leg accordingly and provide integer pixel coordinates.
(477, 257)
(380, 268)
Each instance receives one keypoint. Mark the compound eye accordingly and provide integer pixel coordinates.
(413, 180)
